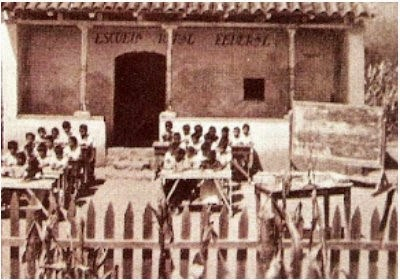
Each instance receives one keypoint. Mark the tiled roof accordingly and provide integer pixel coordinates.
(224, 10)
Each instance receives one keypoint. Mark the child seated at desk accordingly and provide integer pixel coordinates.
(19, 169)
(191, 159)
(58, 161)
(211, 162)
(49, 146)
(43, 159)
(33, 170)
(168, 134)
(10, 158)
(223, 155)
(211, 135)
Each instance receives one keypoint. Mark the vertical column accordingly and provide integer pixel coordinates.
(84, 51)
(353, 64)
(170, 34)
(292, 64)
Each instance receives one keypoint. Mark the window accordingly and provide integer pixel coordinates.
(254, 89)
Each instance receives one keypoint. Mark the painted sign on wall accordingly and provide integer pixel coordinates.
(221, 39)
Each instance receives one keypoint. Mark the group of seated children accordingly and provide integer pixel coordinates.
(44, 152)
(195, 150)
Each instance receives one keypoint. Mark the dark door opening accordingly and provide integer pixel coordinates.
(139, 98)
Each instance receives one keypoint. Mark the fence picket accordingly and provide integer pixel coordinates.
(127, 254)
(375, 235)
(185, 235)
(223, 234)
(242, 253)
(91, 221)
(109, 225)
(90, 228)
(14, 231)
(355, 234)
(204, 220)
(336, 234)
(147, 254)
(71, 217)
(392, 263)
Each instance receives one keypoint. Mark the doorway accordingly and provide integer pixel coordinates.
(139, 98)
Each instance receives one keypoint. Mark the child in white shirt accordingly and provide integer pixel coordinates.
(73, 151)
(186, 138)
(246, 137)
(58, 161)
(67, 133)
(236, 139)
(85, 139)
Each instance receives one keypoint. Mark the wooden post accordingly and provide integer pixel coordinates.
(241, 256)
(84, 52)
(185, 235)
(223, 234)
(292, 64)
(127, 259)
(168, 86)
(14, 231)
(392, 269)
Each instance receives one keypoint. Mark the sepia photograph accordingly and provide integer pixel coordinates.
(199, 140)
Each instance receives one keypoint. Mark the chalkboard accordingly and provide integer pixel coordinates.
(337, 133)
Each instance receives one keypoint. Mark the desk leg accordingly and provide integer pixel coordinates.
(219, 189)
(347, 205)
(171, 192)
(32, 194)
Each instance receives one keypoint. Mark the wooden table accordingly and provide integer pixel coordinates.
(34, 188)
(218, 176)
(268, 183)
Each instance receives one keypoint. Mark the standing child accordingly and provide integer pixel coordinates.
(236, 139)
(85, 139)
(73, 151)
(30, 139)
(168, 135)
(186, 134)
(19, 170)
(224, 141)
(198, 129)
(55, 133)
(246, 137)
(67, 133)
(41, 135)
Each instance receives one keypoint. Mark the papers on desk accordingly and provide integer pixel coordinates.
(225, 173)
(300, 180)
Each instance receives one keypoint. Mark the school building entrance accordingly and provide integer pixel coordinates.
(139, 98)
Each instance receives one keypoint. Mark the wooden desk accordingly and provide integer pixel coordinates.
(218, 176)
(269, 183)
(36, 189)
